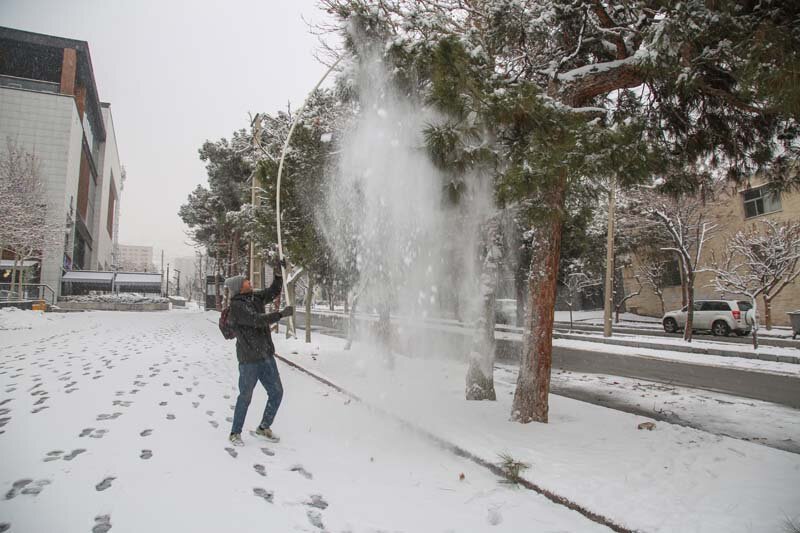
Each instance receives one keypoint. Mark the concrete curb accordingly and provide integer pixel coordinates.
(112, 306)
(466, 454)
(678, 348)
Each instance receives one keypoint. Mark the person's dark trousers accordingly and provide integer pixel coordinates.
(265, 371)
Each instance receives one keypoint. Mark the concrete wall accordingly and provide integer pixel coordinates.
(48, 125)
(728, 212)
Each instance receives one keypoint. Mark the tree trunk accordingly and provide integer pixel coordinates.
(663, 308)
(346, 302)
(755, 323)
(217, 301)
(767, 313)
(480, 374)
(330, 298)
(570, 318)
(21, 287)
(13, 275)
(289, 300)
(533, 382)
(309, 297)
(687, 332)
(684, 288)
(351, 323)
(519, 286)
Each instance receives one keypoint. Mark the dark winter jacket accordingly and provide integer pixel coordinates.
(251, 322)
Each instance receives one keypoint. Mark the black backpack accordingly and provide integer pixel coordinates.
(224, 326)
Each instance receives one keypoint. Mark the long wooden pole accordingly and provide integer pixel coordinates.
(280, 174)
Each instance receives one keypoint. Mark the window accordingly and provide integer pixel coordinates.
(761, 200)
(716, 306)
(744, 306)
(672, 273)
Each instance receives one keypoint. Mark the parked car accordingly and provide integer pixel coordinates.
(721, 317)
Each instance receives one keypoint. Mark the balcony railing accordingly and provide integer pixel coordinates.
(29, 85)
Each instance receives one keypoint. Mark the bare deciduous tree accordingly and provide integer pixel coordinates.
(25, 231)
(576, 283)
(652, 272)
(760, 263)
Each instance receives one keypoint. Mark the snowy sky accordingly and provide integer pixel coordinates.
(178, 72)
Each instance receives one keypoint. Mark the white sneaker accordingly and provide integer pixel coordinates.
(267, 434)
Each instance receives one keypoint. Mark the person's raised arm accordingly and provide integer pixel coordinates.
(272, 292)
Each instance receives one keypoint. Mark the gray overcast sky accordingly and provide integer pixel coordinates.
(178, 72)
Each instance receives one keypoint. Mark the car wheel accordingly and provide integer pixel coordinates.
(720, 328)
(670, 326)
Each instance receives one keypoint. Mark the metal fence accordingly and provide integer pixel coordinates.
(28, 291)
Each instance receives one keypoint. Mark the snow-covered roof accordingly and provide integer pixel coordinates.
(9, 263)
(138, 278)
(87, 276)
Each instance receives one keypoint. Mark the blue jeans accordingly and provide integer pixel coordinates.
(265, 371)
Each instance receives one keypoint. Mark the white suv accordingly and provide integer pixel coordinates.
(721, 317)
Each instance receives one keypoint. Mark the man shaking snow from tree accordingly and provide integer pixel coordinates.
(254, 350)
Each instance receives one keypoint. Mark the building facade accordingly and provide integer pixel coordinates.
(133, 258)
(737, 209)
(49, 106)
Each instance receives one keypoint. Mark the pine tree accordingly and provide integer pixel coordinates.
(590, 89)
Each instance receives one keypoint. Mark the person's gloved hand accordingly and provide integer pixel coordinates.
(278, 267)
(287, 311)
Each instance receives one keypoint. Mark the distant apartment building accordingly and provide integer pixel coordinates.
(49, 106)
(737, 209)
(134, 258)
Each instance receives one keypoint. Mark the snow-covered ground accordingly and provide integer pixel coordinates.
(671, 479)
(113, 420)
(743, 418)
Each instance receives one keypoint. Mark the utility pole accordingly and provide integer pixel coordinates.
(162, 266)
(167, 280)
(609, 287)
(178, 285)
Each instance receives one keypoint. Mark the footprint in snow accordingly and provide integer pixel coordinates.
(260, 469)
(233, 453)
(16, 487)
(105, 416)
(4, 526)
(317, 501)
(315, 518)
(195, 404)
(146, 454)
(98, 434)
(26, 486)
(39, 409)
(170, 417)
(102, 524)
(267, 451)
(55, 455)
(267, 495)
(106, 483)
(214, 423)
(74, 453)
(302, 471)
(146, 433)
(162, 404)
